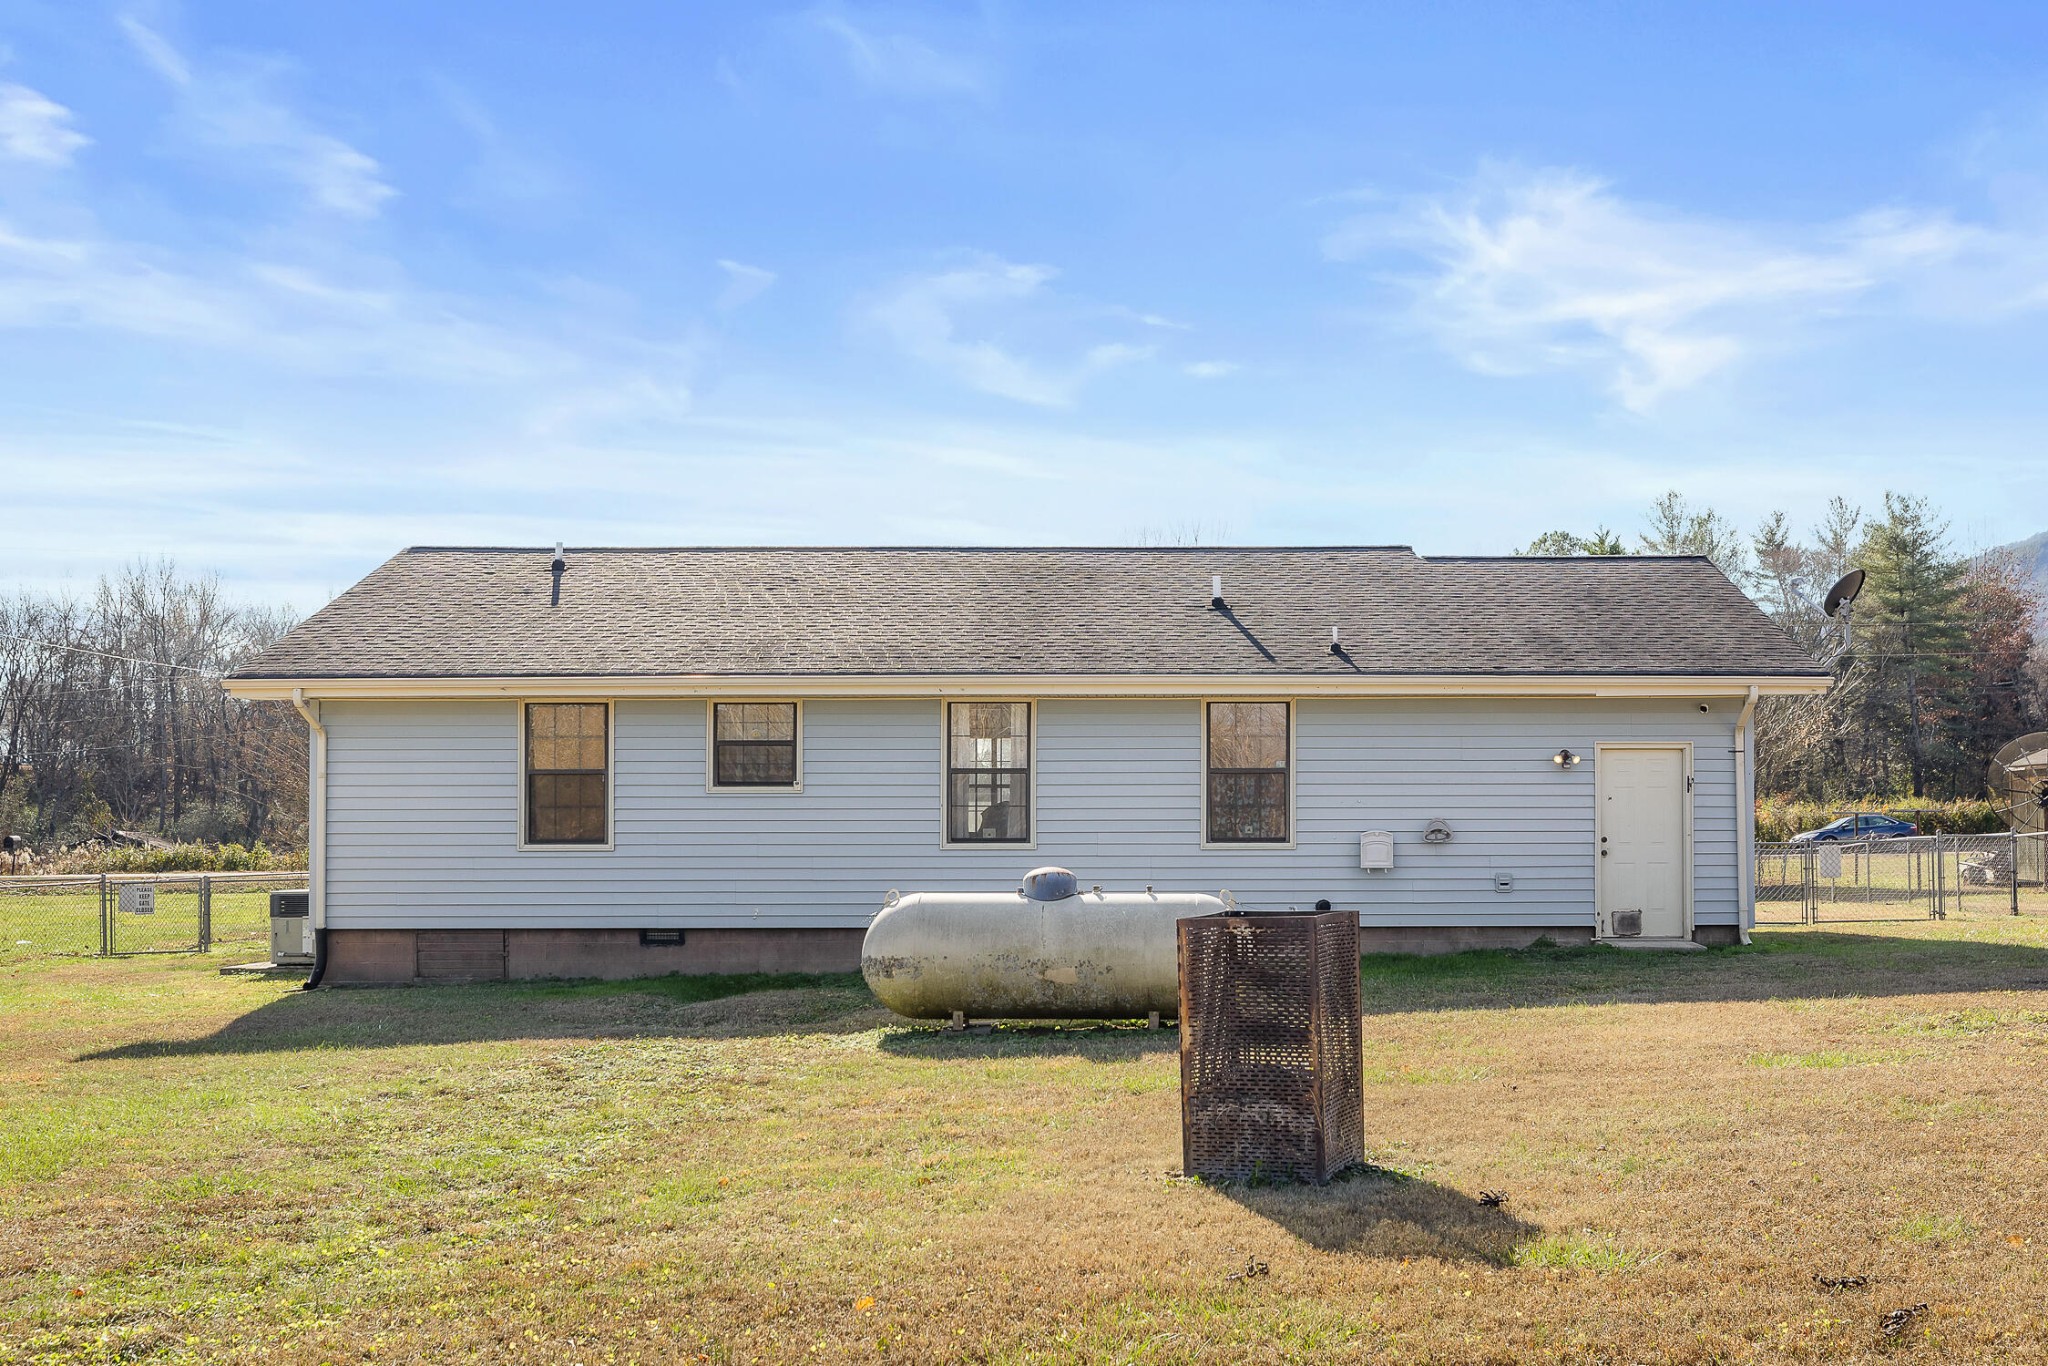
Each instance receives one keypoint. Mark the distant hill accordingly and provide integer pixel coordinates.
(2033, 552)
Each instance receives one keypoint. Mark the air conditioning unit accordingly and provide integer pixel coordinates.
(291, 927)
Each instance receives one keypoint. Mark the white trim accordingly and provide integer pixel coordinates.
(1293, 769)
(611, 779)
(711, 783)
(1745, 817)
(1686, 795)
(946, 840)
(969, 687)
(316, 810)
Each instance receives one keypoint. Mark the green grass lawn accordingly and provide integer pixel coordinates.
(203, 1168)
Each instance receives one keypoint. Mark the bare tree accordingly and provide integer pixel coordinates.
(112, 714)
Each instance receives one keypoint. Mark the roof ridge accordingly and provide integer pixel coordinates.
(896, 549)
(1572, 559)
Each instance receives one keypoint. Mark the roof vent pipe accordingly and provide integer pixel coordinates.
(1216, 591)
(559, 563)
(1336, 644)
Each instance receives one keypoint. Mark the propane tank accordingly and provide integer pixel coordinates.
(1048, 950)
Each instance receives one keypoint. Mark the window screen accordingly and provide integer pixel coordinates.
(988, 772)
(753, 744)
(566, 759)
(1248, 772)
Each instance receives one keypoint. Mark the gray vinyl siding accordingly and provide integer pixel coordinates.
(424, 814)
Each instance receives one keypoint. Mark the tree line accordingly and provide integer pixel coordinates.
(1945, 664)
(112, 716)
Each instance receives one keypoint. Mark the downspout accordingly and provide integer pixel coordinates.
(316, 835)
(1745, 814)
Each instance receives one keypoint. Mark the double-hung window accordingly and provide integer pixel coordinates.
(1247, 798)
(755, 744)
(988, 772)
(568, 772)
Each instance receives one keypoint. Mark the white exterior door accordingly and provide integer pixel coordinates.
(1644, 856)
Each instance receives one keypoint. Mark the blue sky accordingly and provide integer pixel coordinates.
(284, 287)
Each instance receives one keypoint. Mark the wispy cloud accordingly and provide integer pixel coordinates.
(743, 284)
(278, 312)
(1523, 271)
(610, 408)
(230, 108)
(928, 317)
(1211, 369)
(34, 127)
(896, 63)
(505, 175)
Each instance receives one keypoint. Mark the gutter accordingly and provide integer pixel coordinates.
(1745, 815)
(316, 834)
(919, 686)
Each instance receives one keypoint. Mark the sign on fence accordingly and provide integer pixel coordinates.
(1830, 858)
(104, 914)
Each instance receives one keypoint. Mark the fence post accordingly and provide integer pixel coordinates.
(106, 922)
(1809, 891)
(205, 913)
(2012, 850)
(1940, 907)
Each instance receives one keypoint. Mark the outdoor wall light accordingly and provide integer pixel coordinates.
(1564, 758)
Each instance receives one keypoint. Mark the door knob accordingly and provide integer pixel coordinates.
(1603, 853)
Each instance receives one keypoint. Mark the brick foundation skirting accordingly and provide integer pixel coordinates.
(393, 957)
(1430, 939)
(386, 957)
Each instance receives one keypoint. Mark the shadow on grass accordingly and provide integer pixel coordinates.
(1096, 1040)
(1780, 965)
(1373, 1212)
(737, 1006)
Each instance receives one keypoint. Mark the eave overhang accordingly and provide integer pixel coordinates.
(1034, 685)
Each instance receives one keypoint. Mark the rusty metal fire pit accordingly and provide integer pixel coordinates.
(1271, 1064)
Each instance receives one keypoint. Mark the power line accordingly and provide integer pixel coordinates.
(102, 654)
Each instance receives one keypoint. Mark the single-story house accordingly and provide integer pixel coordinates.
(613, 762)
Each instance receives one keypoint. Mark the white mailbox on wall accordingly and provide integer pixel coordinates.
(1376, 851)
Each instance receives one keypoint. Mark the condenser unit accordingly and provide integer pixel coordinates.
(291, 927)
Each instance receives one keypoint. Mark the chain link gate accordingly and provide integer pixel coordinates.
(108, 914)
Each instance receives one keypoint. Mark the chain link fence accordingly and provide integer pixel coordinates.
(1921, 877)
(106, 914)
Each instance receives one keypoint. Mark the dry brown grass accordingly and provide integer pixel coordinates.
(194, 1168)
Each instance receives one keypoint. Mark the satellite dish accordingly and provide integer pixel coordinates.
(1843, 593)
(2019, 782)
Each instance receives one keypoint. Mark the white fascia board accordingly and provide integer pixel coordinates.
(1034, 685)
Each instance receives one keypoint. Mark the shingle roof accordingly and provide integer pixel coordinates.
(438, 612)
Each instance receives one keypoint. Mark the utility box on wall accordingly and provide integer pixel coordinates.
(1376, 851)
(1271, 1055)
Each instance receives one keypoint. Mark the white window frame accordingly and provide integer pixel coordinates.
(1689, 796)
(1293, 706)
(711, 783)
(946, 840)
(611, 776)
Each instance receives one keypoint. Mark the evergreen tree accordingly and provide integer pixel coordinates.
(1912, 632)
